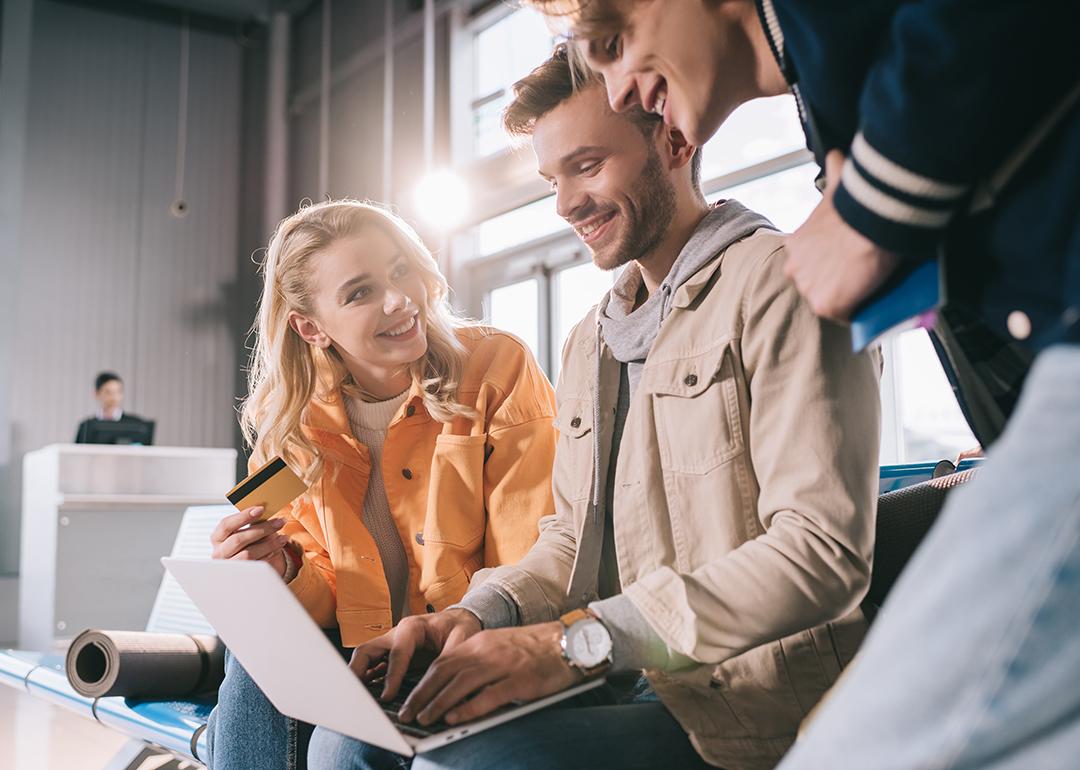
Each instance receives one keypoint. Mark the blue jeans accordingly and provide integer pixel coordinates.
(246, 732)
(974, 662)
(641, 735)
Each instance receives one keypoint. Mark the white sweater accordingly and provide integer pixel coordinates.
(369, 422)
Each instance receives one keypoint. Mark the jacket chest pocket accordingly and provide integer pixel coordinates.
(455, 510)
(696, 409)
(574, 453)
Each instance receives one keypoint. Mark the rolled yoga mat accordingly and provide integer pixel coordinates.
(139, 664)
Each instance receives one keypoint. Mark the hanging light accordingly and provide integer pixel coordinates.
(442, 199)
(179, 206)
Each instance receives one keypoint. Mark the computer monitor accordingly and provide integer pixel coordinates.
(119, 432)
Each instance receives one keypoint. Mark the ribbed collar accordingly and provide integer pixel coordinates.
(373, 415)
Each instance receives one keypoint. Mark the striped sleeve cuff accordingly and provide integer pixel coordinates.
(898, 209)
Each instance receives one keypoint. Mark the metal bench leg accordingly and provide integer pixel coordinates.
(136, 755)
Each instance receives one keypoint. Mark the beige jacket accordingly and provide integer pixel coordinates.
(744, 501)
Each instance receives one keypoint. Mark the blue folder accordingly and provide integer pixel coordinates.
(908, 301)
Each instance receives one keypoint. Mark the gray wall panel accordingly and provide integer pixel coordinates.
(356, 102)
(408, 165)
(184, 349)
(108, 279)
(304, 157)
(356, 136)
(355, 23)
(14, 107)
(306, 48)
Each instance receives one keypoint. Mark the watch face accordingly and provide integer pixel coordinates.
(588, 643)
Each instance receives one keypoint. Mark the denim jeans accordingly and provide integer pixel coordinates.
(974, 661)
(634, 735)
(246, 732)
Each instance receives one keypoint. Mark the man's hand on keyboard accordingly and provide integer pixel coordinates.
(489, 670)
(389, 655)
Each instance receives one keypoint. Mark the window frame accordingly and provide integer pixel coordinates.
(541, 259)
(507, 180)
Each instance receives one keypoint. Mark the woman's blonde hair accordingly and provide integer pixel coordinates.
(582, 18)
(286, 373)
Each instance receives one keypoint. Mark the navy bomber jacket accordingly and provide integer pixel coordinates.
(929, 100)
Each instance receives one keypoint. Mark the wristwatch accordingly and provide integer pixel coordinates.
(586, 643)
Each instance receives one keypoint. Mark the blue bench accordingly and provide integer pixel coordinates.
(158, 726)
(178, 727)
(155, 727)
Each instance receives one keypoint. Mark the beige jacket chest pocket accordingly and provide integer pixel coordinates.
(696, 409)
(574, 453)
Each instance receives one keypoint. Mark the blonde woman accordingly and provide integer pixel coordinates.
(427, 442)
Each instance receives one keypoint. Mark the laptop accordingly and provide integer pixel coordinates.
(301, 671)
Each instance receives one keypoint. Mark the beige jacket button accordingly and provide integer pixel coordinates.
(691, 380)
(575, 423)
(1019, 325)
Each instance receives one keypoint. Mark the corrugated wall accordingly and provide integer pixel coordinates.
(356, 102)
(107, 278)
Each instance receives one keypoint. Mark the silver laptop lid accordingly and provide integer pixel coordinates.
(283, 650)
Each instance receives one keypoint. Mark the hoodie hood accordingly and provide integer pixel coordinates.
(630, 332)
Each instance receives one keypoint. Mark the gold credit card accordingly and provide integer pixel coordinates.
(272, 486)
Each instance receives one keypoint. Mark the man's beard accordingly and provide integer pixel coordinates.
(650, 212)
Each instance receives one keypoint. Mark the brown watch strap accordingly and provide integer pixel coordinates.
(573, 616)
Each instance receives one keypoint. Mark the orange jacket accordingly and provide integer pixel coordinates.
(465, 495)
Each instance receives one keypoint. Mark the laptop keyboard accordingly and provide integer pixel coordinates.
(391, 708)
(408, 684)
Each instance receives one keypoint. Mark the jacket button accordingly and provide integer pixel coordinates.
(690, 381)
(575, 423)
(410, 410)
(1019, 325)
(407, 473)
(419, 538)
(430, 608)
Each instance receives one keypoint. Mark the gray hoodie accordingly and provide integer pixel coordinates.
(629, 332)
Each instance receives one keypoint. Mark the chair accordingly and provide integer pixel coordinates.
(904, 517)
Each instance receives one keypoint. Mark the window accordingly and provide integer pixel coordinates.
(518, 227)
(515, 308)
(755, 132)
(922, 421)
(504, 53)
(786, 198)
(543, 298)
(576, 289)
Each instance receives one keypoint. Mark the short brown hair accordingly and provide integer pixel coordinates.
(555, 81)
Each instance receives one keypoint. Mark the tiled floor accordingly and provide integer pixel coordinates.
(35, 735)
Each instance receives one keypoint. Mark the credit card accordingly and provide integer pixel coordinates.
(272, 486)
